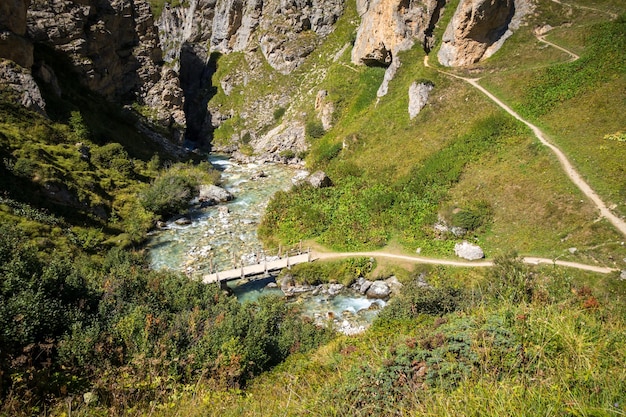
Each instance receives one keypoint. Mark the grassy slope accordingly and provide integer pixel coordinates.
(374, 145)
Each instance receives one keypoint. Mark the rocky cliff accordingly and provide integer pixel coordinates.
(113, 46)
(16, 55)
(13, 44)
(390, 26)
(172, 65)
(478, 29)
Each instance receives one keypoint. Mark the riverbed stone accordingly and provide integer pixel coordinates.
(334, 289)
(361, 285)
(212, 194)
(394, 284)
(182, 221)
(379, 290)
(468, 251)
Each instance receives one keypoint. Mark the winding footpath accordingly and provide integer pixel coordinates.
(569, 169)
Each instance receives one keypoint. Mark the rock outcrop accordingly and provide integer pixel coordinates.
(478, 29)
(16, 55)
(418, 96)
(468, 251)
(319, 179)
(324, 109)
(13, 45)
(285, 31)
(21, 82)
(390, 26)
(212, 194)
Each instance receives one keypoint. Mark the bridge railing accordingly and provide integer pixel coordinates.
(265, 256)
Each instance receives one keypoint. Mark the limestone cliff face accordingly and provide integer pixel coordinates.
(281, 32)
(286, 31)
(113, 45)
(478, 29)
(390, 26)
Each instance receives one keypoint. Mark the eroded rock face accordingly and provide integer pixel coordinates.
(22, 83)
(324, 109)
(390, 26)
(478, 29)
(113, 47)
(286, 31)
(418, 96)
(13, 45)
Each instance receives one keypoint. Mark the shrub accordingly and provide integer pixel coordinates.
(474, 217)
(103, 156)
(169, 194)
(278, 113)
(287, 154)
(314, 129)
(77, 124)
(417, 299)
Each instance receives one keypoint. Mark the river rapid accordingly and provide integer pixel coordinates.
(219, 237)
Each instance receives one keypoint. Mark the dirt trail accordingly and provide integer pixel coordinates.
(569, 169)
(471, 264)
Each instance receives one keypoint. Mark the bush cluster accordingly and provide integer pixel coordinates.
(128, 334)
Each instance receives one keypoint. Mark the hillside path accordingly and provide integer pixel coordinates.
(472, 264)
(569, 169)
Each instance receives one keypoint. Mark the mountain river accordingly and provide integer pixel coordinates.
(218, 238)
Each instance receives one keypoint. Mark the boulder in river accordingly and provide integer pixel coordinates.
(334, 289)
(212, 194)
(361, 285)
(394, 284)
(468, 251)
(182, 221)
(379, 290)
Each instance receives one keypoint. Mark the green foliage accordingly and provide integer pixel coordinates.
(173, 189)
(601, 61)
(287, 154)
(473, 218)
(326, 151)
(360, 212)
(278, 113)
(132, 334)
(417, 298)
(77, 124)
(617, 136)
(510, 280)
(109, 155)
(343, 271)
(314, 129)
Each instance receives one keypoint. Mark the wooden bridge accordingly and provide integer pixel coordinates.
(260, 269)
